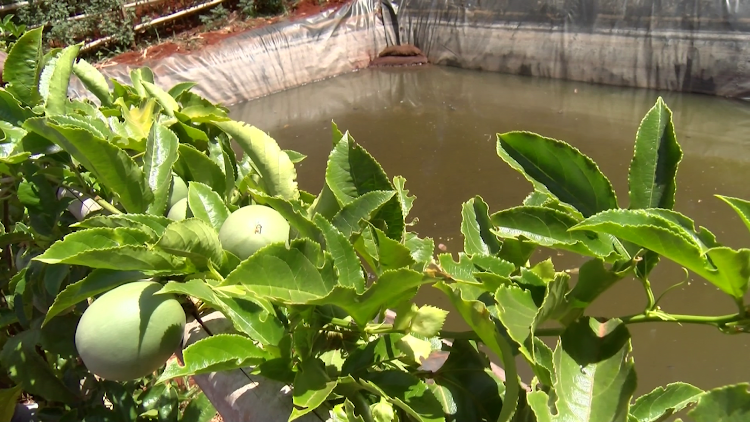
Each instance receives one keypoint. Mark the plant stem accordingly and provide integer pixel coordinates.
(684, 319)
(107, 206)
(649, 294)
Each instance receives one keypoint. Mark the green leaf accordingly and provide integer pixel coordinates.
(407, 392)
(390, 253)
(538, 403)
(246, 315)
(282, 274)
(381, 349)
(193, 165)
(220, 352)
(651, 231)
(11, 110)
(166, 101)
(8, 399)
(476, 314)
(593, 280)
(352, 172)
(274, 166)
(181, 87)
(406, 200)
(364, 207)
(199, 409)
(130, 258)
(112, 166)
(291, 213)
(295, 156)
(23, 67)
(654, 166)
(345, 258)
(415, 349)
(142, 222)
(116, 249)
(725, 404)
(138, 121)
(517, 311)
(421, 249)
(160, 156)
(27, 367)
(193, 239)
(312, 386)
(57, 97)
(391, 287)
(93, 80)
(740, 206)
(555, 301)
(663, 402)
(138, 75)
(594, 374)
(428, 321)
(558, 169)
(734, 270)
(92, 239)
(476, 227)
(550, 228)
(470, 391)
(207, 205)
(98, 281)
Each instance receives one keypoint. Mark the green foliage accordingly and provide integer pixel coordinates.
(9, 31)
(312, 313)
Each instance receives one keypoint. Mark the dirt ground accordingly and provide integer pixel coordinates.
(192, 38)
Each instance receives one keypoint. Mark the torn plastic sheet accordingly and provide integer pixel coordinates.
(700, 46)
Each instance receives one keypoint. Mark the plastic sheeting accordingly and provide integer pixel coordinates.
(273, 58)
(698, 46)
(682, 45)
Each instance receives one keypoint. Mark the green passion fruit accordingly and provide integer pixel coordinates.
(178, 212)
(129, 332)
(251, 228)
(177, 191)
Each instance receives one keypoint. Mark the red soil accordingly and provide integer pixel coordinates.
(194, 38)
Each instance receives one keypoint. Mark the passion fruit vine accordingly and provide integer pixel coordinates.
(251, 228)
(129, 332)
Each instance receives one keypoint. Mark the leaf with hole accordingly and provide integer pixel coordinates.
(594, 372)
(664, 402)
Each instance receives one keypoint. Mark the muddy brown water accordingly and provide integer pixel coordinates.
(436, 126)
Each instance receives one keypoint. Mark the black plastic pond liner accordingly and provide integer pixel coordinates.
(697, 46)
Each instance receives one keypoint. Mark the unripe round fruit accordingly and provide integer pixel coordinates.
(251, 228)
(129, 332)
(179, 211)
(177, 191)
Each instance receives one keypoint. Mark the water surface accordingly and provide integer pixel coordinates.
(436, 126)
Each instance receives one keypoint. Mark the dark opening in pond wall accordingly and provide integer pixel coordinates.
(700, 46)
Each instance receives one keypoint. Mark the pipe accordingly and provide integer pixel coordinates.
(146, 25)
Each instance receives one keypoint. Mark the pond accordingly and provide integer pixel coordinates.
(436, 126)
